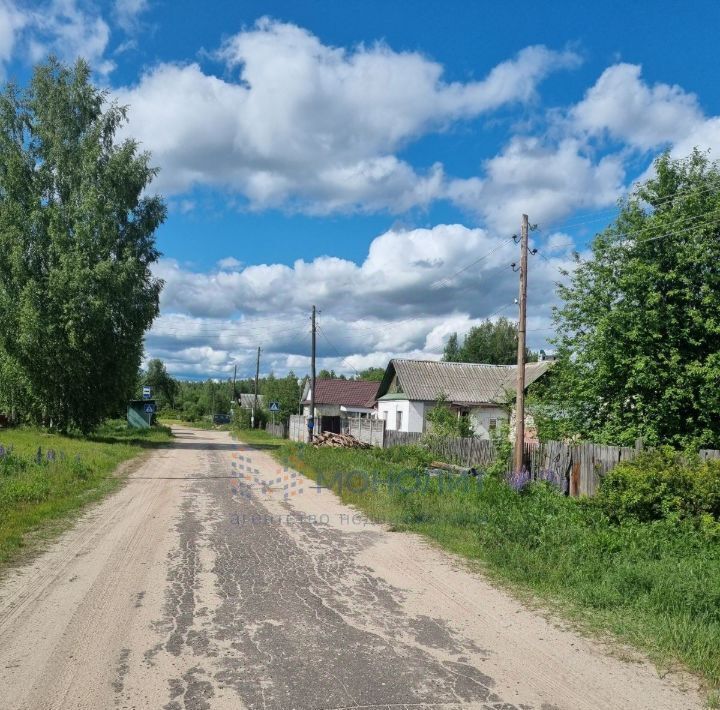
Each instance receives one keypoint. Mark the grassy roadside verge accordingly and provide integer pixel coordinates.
(653, 585)
(258, 437)
(45, 478)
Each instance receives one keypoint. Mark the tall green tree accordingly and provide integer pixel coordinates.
(76, 246)
(285, 391)
(491, 342)
(372, 374)
(165, 388)
(452, 349)
(639, 325)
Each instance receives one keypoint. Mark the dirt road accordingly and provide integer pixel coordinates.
(214, 579)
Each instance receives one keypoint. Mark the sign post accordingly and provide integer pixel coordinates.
(147, 392)
(274, 407)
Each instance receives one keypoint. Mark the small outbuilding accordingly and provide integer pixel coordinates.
(141, 413)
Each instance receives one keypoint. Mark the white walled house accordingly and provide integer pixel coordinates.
(411, 388)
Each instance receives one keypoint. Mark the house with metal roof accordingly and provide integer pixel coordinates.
(247, 401)
(411, 388)
(341, 398)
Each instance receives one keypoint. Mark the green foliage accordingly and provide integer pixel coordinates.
(286, 392)
(639, 327)
(330, 375)
(46, 478)
(76, 249)
(373, 374)
(661, 484)
(445, 423)
(491, 342)
(164, 387)
(452, 352)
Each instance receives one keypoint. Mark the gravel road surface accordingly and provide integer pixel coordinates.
(216, 579)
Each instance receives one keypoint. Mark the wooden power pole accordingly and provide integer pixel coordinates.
(311, 420)
(255, 400)
(520, 394)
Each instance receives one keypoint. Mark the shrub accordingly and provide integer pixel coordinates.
(661, 484)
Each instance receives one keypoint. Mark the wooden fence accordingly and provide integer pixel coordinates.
(400, 438)
(577, 469)
(709, 454)
(279, 430)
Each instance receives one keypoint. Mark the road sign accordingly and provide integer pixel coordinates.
(149, 409)
(147, 392)
(274, 406)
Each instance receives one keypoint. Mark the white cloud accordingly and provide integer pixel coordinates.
(313, 127)
(621, 105)
(127, 13)
(12, 20)
(385, 306)
(67, 29)
(543, 179)
(229, 263)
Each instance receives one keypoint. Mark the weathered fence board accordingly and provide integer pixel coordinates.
(577, 468)
(709, 454)
(279, 430)
(401, 438)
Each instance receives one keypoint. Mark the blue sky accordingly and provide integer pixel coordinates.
(359, 154)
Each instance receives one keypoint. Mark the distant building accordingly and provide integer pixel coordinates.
(341, 398)
(411, 388)
(246, 401)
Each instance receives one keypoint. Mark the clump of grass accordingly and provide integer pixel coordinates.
(258, 437)
(46, 478)
(654, 584)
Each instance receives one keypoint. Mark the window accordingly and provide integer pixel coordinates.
(398, 420)
(493, 425)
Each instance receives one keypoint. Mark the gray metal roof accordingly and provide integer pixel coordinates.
(247, 400)
(460, 382)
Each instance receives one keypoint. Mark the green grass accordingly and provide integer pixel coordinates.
(258, 437)
(38, 496)
(654, 585)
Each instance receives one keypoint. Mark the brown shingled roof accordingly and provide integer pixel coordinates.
(348, 393)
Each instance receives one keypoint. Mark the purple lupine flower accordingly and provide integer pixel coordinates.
(517, 480)
(50, 456)
(3, 451)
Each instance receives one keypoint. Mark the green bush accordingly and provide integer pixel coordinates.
(661, 484)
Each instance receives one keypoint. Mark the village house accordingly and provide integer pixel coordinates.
(342, 398)
(411, 388)
(247, 401)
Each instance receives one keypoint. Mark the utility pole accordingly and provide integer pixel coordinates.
(234, 396)
(520, 395)
(311, 420)
(257, 376)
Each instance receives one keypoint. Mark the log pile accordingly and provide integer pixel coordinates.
(339, 441)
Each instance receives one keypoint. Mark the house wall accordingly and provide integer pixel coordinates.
(324, 410)
(480, 419)
(413, 414)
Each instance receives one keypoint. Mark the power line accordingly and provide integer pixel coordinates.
(337, 352)
(443, 282)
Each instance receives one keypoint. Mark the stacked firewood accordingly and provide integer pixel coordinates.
(339, 441)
